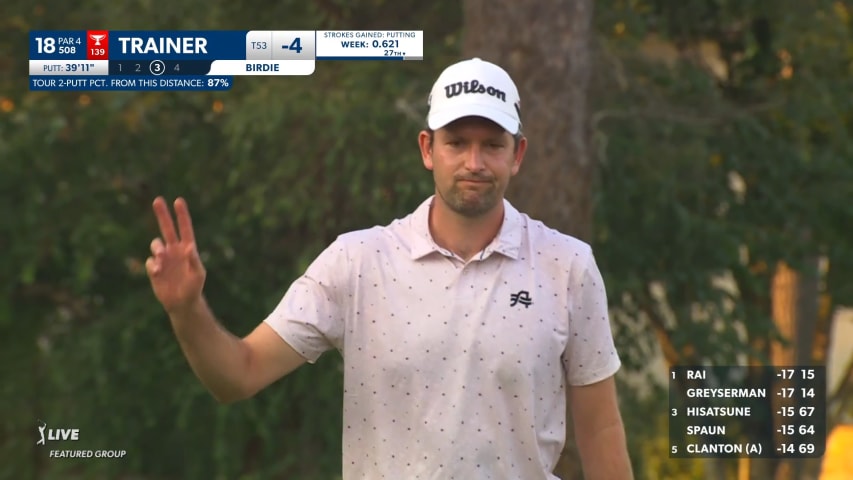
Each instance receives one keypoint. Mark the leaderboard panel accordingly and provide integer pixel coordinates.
(199, 60)
(747, 411)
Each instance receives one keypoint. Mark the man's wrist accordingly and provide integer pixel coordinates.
(189, 313)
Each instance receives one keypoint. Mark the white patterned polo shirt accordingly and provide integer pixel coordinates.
(453, 370)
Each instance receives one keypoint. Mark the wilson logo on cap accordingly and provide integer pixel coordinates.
(472, 86)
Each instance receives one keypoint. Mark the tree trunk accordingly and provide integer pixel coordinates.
(795, 310)
(784, 306)
(545, 48)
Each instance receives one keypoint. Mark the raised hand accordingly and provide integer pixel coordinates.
(174, 268)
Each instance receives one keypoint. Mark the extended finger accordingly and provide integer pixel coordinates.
(157, 247)
(185, 223)
(194, 257)
(164, 219)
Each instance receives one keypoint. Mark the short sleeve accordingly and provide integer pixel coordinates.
(311, 315)
(590, 354)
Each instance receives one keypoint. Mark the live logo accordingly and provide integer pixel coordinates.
(97, 45)
(63, 434)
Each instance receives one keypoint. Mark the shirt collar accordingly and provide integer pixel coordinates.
(507, 242)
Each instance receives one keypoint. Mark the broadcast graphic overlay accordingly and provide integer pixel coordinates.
(755, 412)
(63, 442)
(95, 60)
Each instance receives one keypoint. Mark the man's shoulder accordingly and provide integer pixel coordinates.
(545, 238)
(365, 236)
(376, 237)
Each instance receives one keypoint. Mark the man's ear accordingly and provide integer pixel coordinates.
(425, 140)
(519, 155)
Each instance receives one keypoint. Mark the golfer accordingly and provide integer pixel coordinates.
(463, 327)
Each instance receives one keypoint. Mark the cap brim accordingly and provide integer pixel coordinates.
(441, 118)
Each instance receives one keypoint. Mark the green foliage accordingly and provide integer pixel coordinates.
(709, 180)
(710, 176)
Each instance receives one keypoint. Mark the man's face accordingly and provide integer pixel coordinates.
(472, 160)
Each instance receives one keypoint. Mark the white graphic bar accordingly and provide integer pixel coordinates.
(69, 67)
(370, 45)
(262, 67)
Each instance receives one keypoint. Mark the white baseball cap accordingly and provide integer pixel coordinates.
(474, 88)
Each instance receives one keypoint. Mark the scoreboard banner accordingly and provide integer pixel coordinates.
(199, 60)
(747, 411)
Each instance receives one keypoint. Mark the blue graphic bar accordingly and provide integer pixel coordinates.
(131, 83)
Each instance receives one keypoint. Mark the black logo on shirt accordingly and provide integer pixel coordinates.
(522, 297)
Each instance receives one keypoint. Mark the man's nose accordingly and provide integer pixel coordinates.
(474, 159)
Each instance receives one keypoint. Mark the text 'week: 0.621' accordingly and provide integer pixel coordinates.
(747, 411)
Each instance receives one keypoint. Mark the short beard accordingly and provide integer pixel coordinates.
(475, 207)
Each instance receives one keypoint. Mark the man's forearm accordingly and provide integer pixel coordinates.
(605, 454)
(218, 358)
